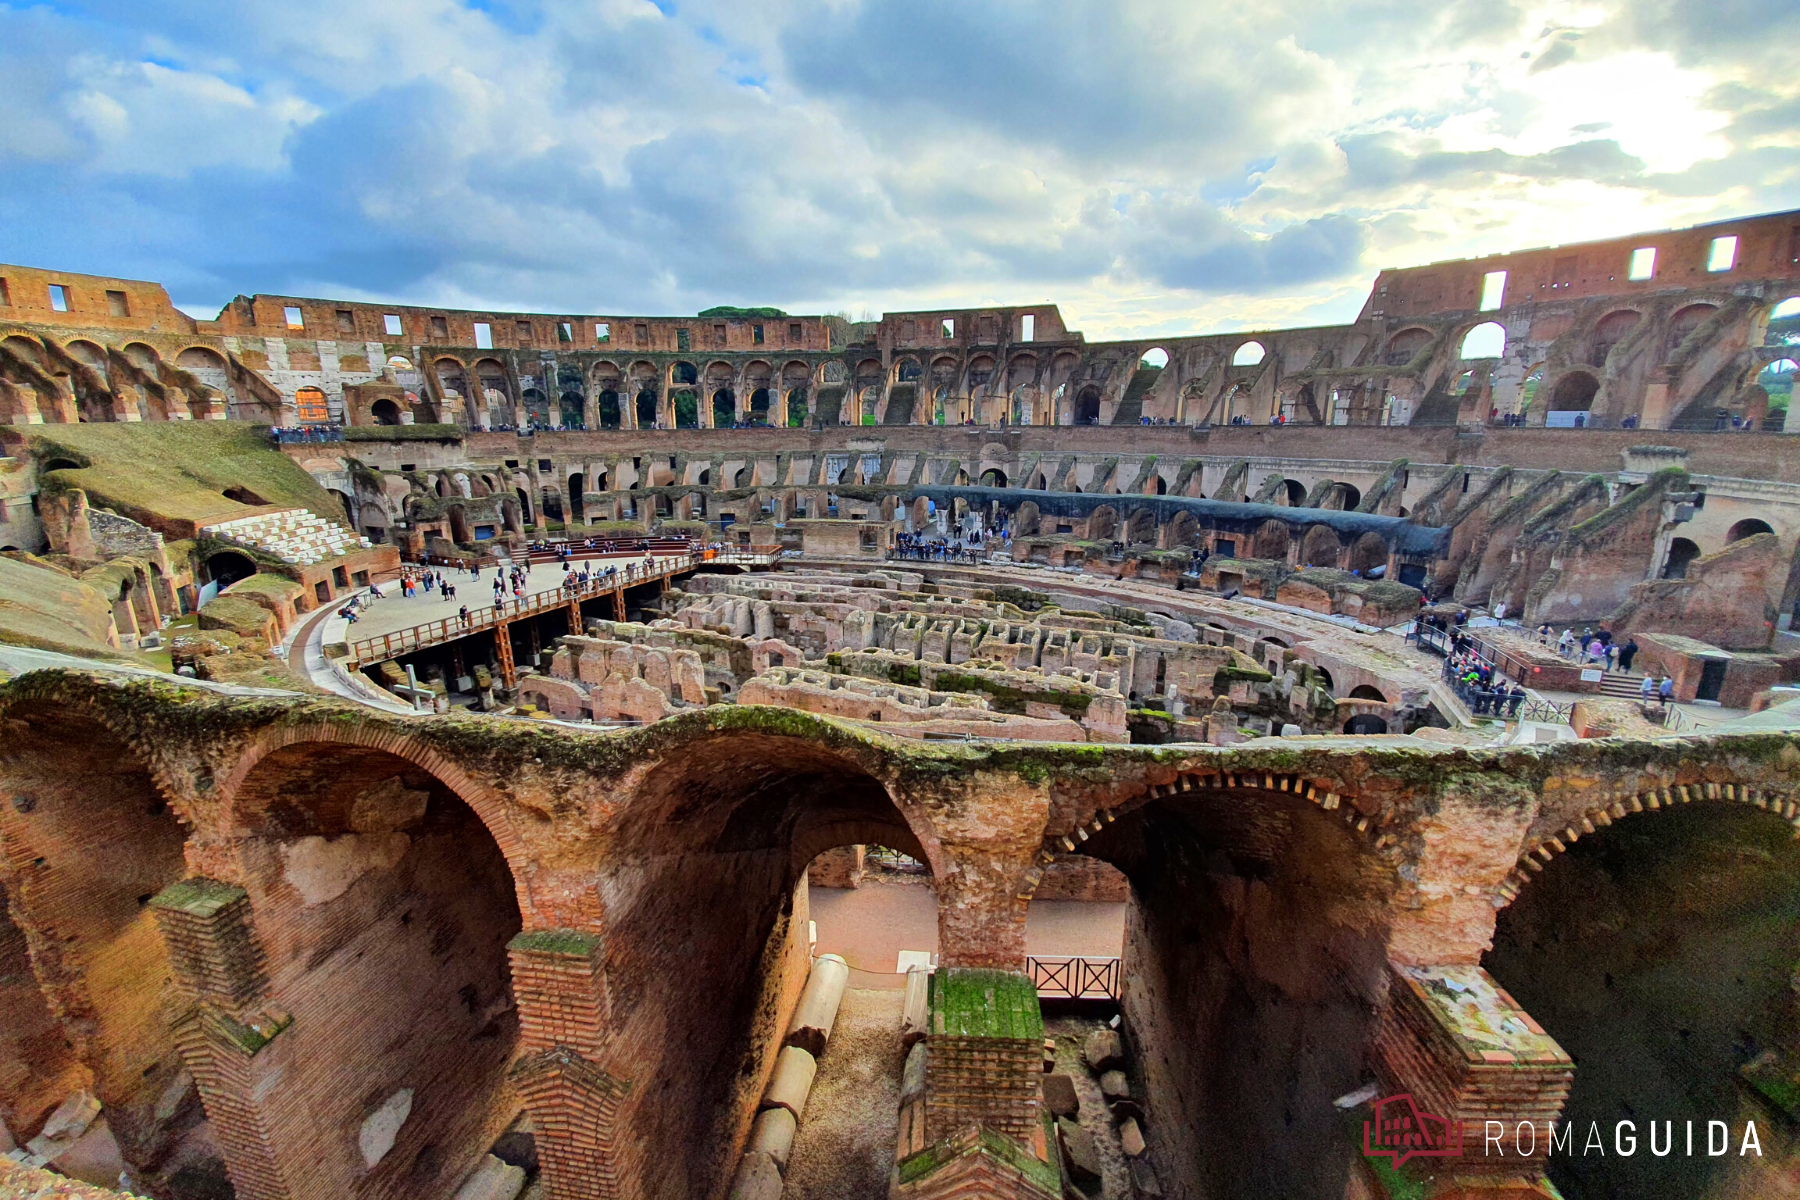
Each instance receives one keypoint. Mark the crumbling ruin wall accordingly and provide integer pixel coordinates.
(1730, 595)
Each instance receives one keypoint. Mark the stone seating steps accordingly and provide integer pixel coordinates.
(292, 535)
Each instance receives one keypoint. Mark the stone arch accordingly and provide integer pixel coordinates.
(1687, 923)
(1248, 354)
(1687, 319)
(993, 477)
(1574, 392)
(1319, 547)
(485, 802)
(1368, 552)
(88, 845)
(385, 412)
(1087, 406)
(1196, 849)
(1366, 725)
(1541, 849)
(1366, 691)
(1610, 330)
(1486, 340)
(1140, 527)
(706, 854)
(1405, 345)
(1272, 539)
(1782, 325)
(1682, 553)
(1102, 523)
(370, 876)
(1747, 528)
(1184, 530)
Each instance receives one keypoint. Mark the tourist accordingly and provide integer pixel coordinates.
(1627, 652)
(1647, 689)
(1666, 689)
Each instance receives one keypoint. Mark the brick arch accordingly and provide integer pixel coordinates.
(487, 806)
(174, 789)
(817, 839)
(1321, 793)
(771, 754)
(1540, 851)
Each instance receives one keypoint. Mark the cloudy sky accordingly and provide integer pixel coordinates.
(1151, 165)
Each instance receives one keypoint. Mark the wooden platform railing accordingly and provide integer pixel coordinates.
(1074, 977)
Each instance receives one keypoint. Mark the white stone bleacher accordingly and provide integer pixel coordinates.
(293, 535)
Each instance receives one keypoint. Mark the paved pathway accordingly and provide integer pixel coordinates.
(872, 924)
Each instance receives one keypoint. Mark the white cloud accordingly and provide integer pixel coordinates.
(1152, 165)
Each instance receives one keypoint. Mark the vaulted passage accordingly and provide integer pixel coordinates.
(708, 939)
(1254, 957)
(383, 907)
(87, 849)
(1660, 952)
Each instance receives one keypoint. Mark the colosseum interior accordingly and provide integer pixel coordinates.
(455, 754)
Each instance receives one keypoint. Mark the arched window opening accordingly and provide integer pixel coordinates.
(1487, 340)
(1249, 354)
(1749, 527)
(1682, 552)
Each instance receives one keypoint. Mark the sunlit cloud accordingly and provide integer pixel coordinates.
(1154, 166)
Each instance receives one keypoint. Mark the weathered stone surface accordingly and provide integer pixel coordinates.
(1114, 1085)
(1103, 1051)
(381, 1127)
(492, 1180)
(817, 1011)
(388, 807)
(788, 1087)
(1078, 1150)
(772, 1133)
(1131, 1137)
(1059, 1095)
(757, 1178)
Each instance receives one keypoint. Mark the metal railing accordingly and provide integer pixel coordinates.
(1074, 977)
(382, 647)
(893, 860)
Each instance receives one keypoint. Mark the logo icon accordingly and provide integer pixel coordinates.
(1401, 1130)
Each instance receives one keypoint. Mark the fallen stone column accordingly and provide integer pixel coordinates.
(784, 1099)
(915, 1010)
(817, 1011)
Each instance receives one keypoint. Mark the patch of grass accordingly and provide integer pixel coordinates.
(177, 471)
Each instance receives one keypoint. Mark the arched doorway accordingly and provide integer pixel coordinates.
(98, 843)
(724, 408)
(1749, 527)
(1571, 399)
(1320, 547)
(570, 410)
(646, 409)
(993, 477)
(385, 906)
(226, 567)
(759, 406)
(609, 410)
(796, 407)
(577, 498)
(686, 409)
(1214, 871)
(1365, 724)
(1659, 952)
(385, 412)
(709, 857)
(1682, 552)
(1087, 406)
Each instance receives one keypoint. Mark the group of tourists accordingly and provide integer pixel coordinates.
(1593, 647)
(296, 435)
(1484, 690)
(919, 548)
(424, 583)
